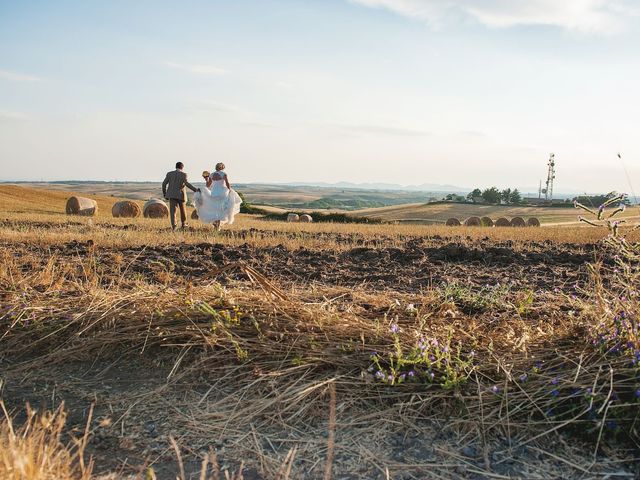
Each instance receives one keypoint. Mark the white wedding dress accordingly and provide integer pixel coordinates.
(218, 204)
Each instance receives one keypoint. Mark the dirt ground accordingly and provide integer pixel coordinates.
(140, 400)
(420, 263)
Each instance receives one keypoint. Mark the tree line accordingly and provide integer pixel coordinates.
(489, 195)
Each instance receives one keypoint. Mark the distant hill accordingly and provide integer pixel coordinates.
(424, 187)
(285, 196)
(39, 200)
(438, 213)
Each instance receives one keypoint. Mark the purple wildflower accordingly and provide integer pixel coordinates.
(495, 389)
(394, 328)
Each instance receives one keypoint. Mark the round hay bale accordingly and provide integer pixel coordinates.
(533, 222)
(194, 215)
(293, 217)
(306, 218)
(126, 209)
(453, 222)
(155, 208)
(486, 222)
(502, 222)
(81, 206)
(473, 222)
(518, 222)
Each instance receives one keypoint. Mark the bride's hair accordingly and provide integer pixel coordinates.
(219, 166)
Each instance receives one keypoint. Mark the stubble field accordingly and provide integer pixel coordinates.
(274, 350)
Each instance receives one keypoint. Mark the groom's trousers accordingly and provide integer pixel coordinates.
(173, 203)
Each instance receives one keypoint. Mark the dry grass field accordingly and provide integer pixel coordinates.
(274, 350)
(439, 213)
(285, 196)
(21, 200)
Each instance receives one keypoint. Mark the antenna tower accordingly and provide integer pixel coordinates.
(551, 175)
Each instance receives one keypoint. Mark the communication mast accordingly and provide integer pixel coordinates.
(551, 174)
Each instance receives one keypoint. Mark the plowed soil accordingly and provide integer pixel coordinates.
(402, 265)
(418, 264)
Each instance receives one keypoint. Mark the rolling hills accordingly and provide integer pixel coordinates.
(438, 213)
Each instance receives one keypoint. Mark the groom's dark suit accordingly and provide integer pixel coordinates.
(173, 189)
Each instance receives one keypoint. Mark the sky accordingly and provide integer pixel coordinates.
(461, 92)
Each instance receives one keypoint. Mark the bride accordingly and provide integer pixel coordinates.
(218, 203)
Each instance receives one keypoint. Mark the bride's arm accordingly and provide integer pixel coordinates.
(209, 182)
(226, 180)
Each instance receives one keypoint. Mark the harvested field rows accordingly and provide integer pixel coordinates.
(474, 354)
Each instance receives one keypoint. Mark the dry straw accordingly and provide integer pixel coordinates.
(126, 209)
(518, 222)
(272, 351)
(86, 207)
(34, 449)
(473, 222)
(486, 222)
(293, 344)
(155, 208)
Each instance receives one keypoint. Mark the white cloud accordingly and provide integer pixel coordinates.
(198, 69)
(386, 130)
(18, 77)
(214, 106)
(10, 115)
(590, 16)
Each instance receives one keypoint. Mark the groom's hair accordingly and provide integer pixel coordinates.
(179, 165)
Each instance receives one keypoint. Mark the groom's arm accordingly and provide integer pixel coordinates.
(164, 186)
(191, 187)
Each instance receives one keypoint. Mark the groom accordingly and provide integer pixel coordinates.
(173, 189)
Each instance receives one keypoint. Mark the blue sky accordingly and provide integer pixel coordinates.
(405, 91)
